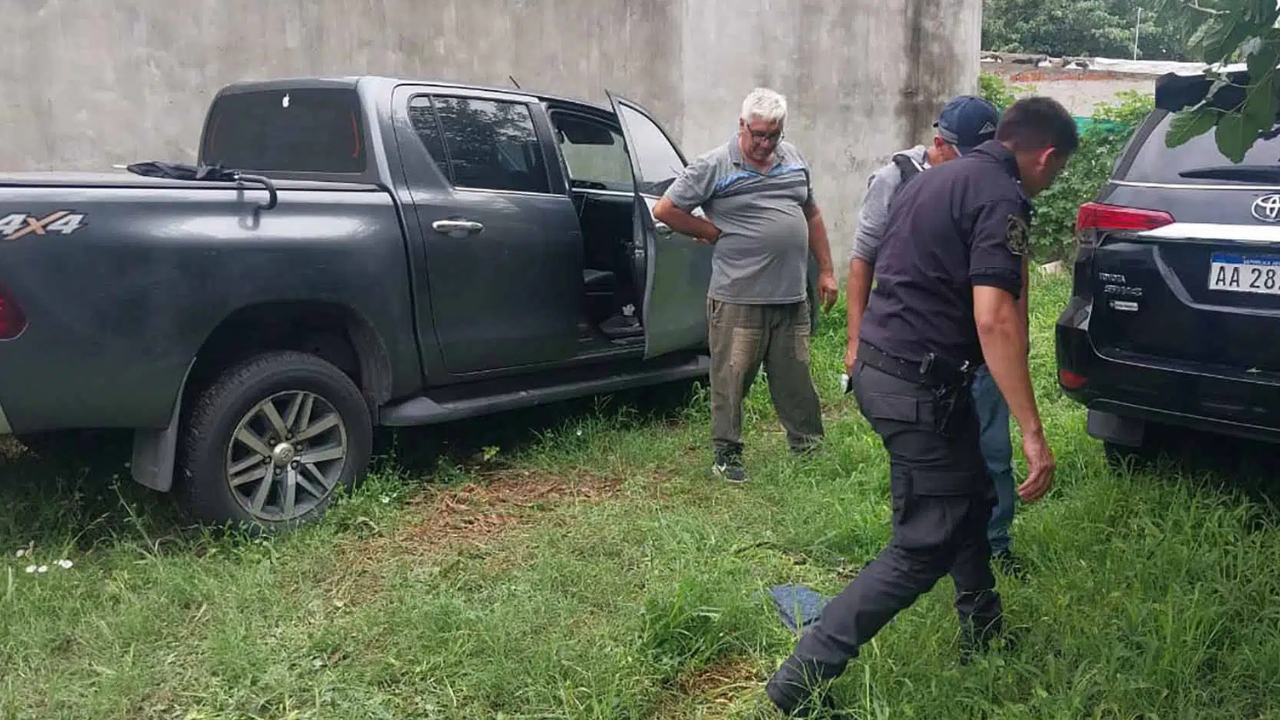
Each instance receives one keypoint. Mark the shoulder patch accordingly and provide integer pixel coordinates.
(1018, 235)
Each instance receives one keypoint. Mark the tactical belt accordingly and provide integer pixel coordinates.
(930, 372)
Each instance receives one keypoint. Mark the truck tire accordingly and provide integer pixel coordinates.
(269, 443)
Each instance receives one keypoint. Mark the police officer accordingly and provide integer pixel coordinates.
(965, 122)
(949, 277)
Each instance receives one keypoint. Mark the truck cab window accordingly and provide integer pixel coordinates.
(487, 145)
(595, 153)
(316, 130)
(659, 162)
(423, 117)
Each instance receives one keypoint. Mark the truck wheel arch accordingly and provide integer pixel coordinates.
(335, 332)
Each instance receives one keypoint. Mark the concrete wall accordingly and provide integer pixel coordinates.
(863, 78)
(96, 82)
(1082, 96)
(1079, 91)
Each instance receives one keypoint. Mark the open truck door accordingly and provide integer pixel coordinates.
(677, 269)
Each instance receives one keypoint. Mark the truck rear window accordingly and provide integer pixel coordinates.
(318, 130)
(1154, 162)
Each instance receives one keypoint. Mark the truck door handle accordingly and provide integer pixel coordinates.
(663, 229)
(457, 227)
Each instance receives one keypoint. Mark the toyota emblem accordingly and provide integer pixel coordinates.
(1267, 208)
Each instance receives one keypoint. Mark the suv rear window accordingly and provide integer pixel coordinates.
(1156, 163)
(317, 130)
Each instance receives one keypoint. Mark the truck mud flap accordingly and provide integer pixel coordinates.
(1112, 428)
(155, 450)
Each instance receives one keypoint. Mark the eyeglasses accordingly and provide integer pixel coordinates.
(758, 136)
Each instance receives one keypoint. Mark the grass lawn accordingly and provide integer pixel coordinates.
(578, 561)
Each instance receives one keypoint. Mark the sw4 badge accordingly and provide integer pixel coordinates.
(18, 225)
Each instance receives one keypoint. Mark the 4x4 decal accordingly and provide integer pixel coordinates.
(16, 225)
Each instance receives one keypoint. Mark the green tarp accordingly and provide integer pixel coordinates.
(1084, 123)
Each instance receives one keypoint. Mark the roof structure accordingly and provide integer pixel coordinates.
(1022, 67)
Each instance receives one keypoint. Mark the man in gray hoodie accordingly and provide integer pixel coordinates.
(964, 123)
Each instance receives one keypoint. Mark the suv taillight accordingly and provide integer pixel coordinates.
(12, 319)
(1099, 216)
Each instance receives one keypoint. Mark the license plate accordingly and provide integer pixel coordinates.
(1244, 273)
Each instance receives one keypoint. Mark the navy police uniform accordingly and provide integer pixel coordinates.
(960, 224)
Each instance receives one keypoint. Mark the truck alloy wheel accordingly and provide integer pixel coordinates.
(273, 440)
(286, 456)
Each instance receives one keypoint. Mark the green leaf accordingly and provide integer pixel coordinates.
(1229, 32)
(1200, 38)
(1190, 124)
(1260, 101)
(1231, 137)
(1260, 106)
(1262, 13)
(1264, 54)
(1215, 36)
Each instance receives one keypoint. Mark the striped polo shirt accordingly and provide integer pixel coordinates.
(763, 252)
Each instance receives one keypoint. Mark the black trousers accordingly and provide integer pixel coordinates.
(941, 502)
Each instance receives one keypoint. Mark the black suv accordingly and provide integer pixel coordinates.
(1174, 319)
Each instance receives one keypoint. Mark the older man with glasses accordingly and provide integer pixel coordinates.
(757, 194)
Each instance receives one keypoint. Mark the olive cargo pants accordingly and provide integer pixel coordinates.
(741, 337)
(941, 499)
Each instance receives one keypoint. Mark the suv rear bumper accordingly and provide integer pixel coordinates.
(1124, 394)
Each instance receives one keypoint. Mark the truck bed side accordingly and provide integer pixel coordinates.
(118, 307)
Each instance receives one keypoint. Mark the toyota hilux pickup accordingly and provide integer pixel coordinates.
(345, 253)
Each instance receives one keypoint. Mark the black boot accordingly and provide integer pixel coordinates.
(799, 689)
(977, 634)
(1009, 564)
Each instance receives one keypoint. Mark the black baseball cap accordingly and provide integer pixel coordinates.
(968, 121)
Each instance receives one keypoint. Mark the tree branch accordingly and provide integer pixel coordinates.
(1195, 5)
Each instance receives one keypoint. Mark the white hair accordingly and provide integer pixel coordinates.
(764, 104)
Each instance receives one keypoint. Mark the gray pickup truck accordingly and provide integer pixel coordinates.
(345, 253)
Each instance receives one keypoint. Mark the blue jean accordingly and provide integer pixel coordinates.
(997, 450)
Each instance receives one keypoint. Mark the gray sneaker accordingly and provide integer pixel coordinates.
(728, 466)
